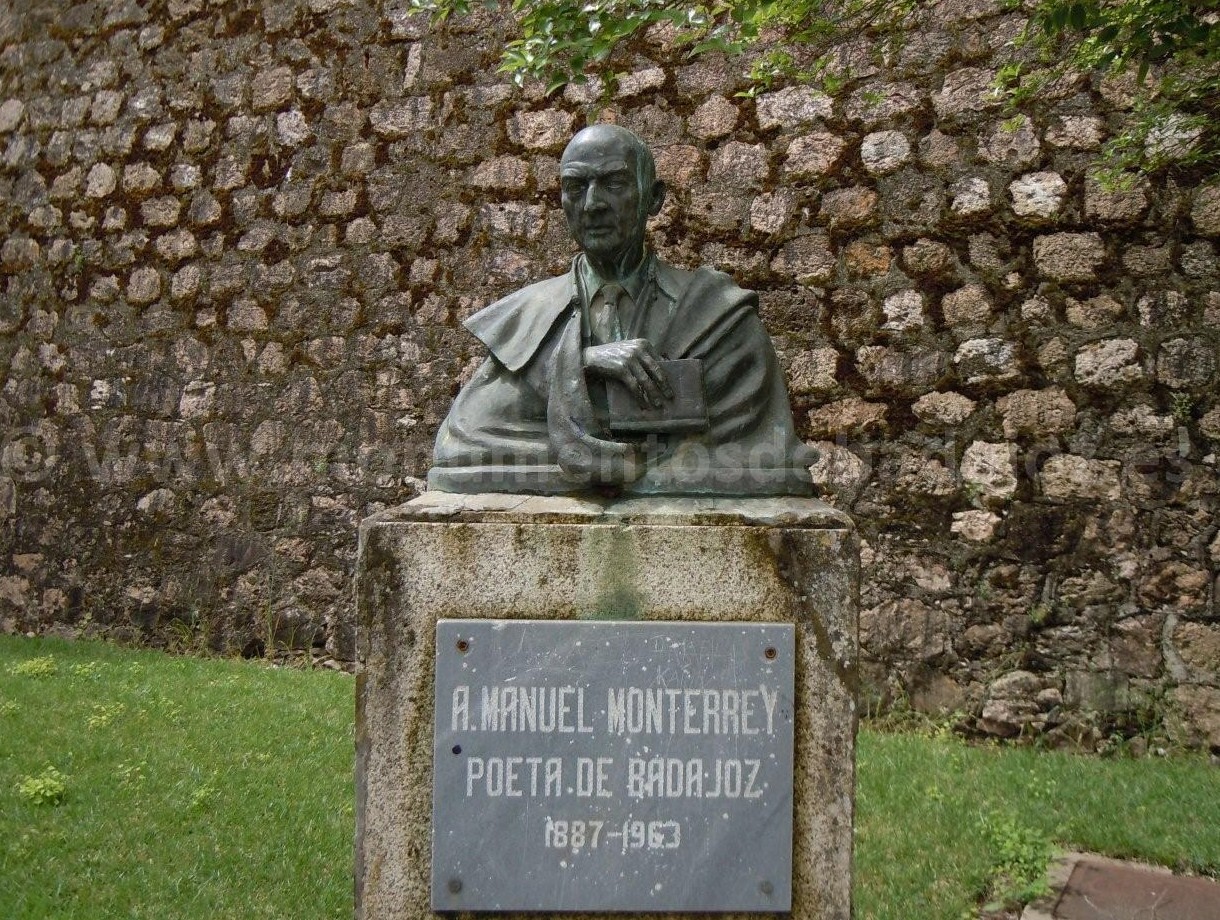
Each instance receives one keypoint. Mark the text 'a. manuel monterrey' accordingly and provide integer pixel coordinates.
(626, 710)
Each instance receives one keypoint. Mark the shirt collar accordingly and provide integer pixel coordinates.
(633, 284)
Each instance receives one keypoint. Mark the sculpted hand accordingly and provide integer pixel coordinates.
(633, 363)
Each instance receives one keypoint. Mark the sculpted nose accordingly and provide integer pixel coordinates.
(593, 197)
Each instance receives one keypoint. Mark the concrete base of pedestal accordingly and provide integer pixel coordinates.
(792, 560)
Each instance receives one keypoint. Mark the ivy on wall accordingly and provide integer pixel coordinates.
(1172, 46)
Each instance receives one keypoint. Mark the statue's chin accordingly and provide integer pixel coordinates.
(612, 257)
(596, 249)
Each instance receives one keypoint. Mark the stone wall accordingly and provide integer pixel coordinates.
(238, 240)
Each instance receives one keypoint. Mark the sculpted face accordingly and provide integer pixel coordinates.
(606, 199)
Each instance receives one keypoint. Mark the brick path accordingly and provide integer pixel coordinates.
(1090, 887)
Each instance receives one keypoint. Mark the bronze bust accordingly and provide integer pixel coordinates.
(626, 374)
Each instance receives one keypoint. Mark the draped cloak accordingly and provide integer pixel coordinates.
(526, 421)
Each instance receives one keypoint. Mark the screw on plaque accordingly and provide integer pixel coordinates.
(766, 888)
(770, 653)
(455, 885)
(463, 645)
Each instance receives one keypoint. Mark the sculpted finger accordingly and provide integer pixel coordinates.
(648, 360)
(657, 373)
(645, 386)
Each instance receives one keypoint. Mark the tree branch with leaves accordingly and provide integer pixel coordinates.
(1172, 47)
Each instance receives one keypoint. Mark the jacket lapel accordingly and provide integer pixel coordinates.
(514, 328)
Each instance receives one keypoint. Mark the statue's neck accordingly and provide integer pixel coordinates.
(617, 270)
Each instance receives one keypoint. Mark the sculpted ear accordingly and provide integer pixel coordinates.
(658, 198)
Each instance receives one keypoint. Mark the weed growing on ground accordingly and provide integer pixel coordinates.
(86, 670)
(1022, 854)
(203, 795)
(47, 788)
(43, 666)
(131, 773)
(105, 713)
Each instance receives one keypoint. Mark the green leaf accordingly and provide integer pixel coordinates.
(1077, 16)
(1059, 18)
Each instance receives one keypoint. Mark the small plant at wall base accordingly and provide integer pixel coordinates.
(1173, 48)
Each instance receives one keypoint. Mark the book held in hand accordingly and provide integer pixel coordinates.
(685, 413)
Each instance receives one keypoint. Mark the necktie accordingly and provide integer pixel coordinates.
(604, 313)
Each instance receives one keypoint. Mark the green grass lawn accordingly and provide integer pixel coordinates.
(223, 789)
(195, 788)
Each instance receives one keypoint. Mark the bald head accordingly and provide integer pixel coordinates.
(609, 190)
(646, 166)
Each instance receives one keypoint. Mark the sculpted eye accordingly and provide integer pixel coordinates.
(572, 186)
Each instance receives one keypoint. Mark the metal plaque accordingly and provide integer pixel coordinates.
(611, 766)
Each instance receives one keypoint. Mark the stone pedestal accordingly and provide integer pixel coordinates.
(784, 560)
